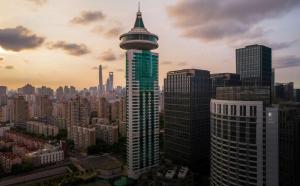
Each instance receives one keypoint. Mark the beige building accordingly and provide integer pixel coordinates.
(107, 133)
(83, 137)
(48, 155)
(18, 110)
(41, 128)
(60, 114)
(78, 114)
(43, 107)
(4, 113)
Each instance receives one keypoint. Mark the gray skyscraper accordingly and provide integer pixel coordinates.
(254, 65)
(244, 137)
(187, 95)
(224, 80)
(100, 86)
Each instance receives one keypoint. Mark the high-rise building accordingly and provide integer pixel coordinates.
(43, 107)
(18, 110)
(110, 82)
(223, 80)
(100, 85)
(45, 91)
(244, 138)
(297, 95)
(254, 65)
(284, 91)
(78, 114)
(289, 142)
(3, 90)
(26, 90)
(84, 136)
(187, 100)
(141, 98)
(59, 93)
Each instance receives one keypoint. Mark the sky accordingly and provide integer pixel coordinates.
(62, 42)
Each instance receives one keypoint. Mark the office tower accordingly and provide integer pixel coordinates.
(78, 114)
(223, 80)
(18, 110)
(26, 90)
(254, 65)
(244, 137)
(187, 100)
(297, 95)
(289, 142)
(43, 107)
(3, 90)
(110, 82)
(141, 98)
(284, 91)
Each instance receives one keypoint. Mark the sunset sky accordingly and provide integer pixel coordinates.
(61, 42)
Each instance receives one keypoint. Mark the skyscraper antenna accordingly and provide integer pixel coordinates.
(139, 6)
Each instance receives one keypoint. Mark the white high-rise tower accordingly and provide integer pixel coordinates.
(142, 94)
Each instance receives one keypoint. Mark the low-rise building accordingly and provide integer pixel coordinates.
(50, 154)
(9, 159)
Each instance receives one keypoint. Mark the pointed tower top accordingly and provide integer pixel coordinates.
(139, 20)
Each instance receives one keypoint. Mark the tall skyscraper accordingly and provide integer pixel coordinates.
(244, 137)
(187, 100)
(254, 65)
(100, 86)
(284, 91)
(110, 82)
(142, 93)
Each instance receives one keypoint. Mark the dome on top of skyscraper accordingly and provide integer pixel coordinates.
(139, 37)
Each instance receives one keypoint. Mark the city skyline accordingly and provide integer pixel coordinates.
(47, 37)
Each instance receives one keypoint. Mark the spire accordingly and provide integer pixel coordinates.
(139, 20)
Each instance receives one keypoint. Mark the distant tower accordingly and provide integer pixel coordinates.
(111, 81)
(142, 94)
(100, 87)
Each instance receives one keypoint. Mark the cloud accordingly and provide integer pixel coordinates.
(19, 38)
(182, 63)
(113, 32)
(98, 29)
(97, 67)
(211, 20)
(70, 48)
(108, 55)
(166, 62)
(286, 62)
(120, 70)
(38, 2)
(1, 59)
(9, 67)
(283, 45)
(88, 17)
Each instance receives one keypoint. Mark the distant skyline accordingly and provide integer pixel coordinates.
(56, 43)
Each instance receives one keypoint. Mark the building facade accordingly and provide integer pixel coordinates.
(141, 98)
(254, 65)
(223, 80)
(187, 96)
(244, 139)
